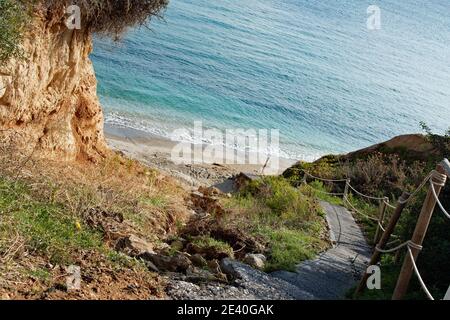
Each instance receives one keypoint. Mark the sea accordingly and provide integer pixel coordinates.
(331, 76)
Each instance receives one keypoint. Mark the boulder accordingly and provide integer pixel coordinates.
(230, 267)
(207, 203)
(134, 246)
(255, 260)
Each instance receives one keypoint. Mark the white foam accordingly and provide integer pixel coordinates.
(186, 135)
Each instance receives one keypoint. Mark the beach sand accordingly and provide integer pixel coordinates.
(156, 152)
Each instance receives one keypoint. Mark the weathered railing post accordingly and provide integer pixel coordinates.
(304, 181)
(418, 237)
(384, 239)
(381, 214)
(347, 185)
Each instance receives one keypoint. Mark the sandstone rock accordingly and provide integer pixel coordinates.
(255, 260)
(417, 146)
(5, 296)
(134, 246)
(209, 204)
(48, 101)
(5, 81)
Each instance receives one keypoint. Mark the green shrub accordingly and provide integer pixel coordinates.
(14, 16)
(288, 221)
(280, 202)
(108, 17)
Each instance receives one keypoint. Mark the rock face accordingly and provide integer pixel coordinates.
(48, 102)
(257, 261)
(416, 145)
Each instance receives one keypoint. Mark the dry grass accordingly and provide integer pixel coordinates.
(110, 17)
(380, 173)
(153, 203)
(45, 213)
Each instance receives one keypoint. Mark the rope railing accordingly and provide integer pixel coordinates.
(437, 180)
(328, 193)
(364, 195)
(409, 244)
(434, 178)
(389, 205)
(438, 202)
(344, 194)
(342, 180)
(346, 200)
(418, 189)
(323, 179)
(381, 226)
(419, 277)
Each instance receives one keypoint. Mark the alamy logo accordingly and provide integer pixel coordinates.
(374, 19)
(73, 22)
(374, 280)
(447, 295)
(233, 146)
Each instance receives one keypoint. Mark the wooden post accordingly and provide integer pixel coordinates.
(345, 196)
(384, 239)
(304, 179)
(382, 212)
(347, 183)
(417, 238)
(397, 257)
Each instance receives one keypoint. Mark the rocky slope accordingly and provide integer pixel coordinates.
(48, 102)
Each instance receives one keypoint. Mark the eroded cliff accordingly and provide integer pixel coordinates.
(48, 102)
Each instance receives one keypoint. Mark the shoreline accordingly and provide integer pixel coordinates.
(155, 151)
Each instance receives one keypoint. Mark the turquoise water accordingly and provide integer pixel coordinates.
(311, 69)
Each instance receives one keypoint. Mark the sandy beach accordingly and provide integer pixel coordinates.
(156, 152)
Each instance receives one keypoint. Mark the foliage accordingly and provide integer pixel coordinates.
(209, 243)
(388, 172)
(290, 222)
(107, 17)
(110, 17)
(440, 142)
(13, 19)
